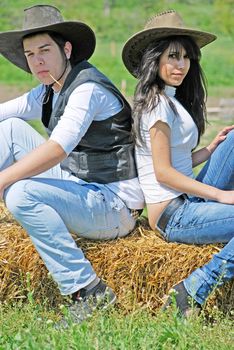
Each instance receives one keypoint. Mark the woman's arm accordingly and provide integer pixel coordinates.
(204, 154)
(37, 161)
(170, 177)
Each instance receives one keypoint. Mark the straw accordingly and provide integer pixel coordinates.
(141, 268)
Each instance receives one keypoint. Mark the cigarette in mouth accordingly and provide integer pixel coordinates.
(56, 81)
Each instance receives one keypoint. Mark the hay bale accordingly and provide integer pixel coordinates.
(141, 268)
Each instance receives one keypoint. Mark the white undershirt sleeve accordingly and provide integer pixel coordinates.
(27, 107)
(88, 102)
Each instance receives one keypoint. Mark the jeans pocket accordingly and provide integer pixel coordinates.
(175, 222)
(119, 221)
(94, 191)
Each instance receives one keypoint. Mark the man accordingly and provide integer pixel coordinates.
(82, 179)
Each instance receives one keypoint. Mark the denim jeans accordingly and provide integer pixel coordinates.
(200, 221)
(53, 204)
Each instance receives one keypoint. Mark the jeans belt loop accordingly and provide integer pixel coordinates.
(169, 211)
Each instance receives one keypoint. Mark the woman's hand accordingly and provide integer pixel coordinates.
(203, 154)
(221, 136)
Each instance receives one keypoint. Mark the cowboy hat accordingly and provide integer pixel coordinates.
(43, 18)
(168, 23)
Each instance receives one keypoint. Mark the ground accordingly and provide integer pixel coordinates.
(219, 116)
(7, 92)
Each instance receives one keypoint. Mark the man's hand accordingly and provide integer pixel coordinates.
(36, 162)
(1, 189)
(226, 197)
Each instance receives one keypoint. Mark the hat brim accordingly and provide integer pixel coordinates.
(136, 45)
(79, 34)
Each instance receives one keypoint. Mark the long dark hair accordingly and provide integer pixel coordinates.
(191, 93)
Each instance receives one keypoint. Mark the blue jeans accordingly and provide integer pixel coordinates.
(51, 205)
(200, 221)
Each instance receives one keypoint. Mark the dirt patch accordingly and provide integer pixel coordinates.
(8, 92)
(214, 104)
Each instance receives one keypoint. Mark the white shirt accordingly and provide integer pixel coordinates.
(88, 102)
(184, 135)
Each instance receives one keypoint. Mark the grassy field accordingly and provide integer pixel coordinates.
(115, 23)
(30, 326)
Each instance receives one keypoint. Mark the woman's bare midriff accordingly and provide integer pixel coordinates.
(154, 212)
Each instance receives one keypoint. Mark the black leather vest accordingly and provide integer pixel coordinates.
(105, 154)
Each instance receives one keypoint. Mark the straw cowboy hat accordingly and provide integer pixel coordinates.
(42, 18)
(161, 25)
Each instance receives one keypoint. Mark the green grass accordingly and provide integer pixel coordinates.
(126, 18)
(30, 326)
(33, 327)
(36, 124)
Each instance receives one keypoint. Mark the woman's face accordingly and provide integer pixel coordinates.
(45, 58)
(173, 66)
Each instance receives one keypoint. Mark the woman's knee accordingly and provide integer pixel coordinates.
(230, 137)
(226, 147)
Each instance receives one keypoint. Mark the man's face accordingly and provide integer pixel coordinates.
(44, 57)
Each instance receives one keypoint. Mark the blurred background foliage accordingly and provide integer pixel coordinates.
(114, 21)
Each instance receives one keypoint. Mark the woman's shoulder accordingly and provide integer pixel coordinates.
(161, 112)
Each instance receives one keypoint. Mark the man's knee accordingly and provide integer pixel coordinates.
(12, 123)
(15, 198)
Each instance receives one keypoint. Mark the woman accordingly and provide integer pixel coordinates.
(169, 118)
(83, 178)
